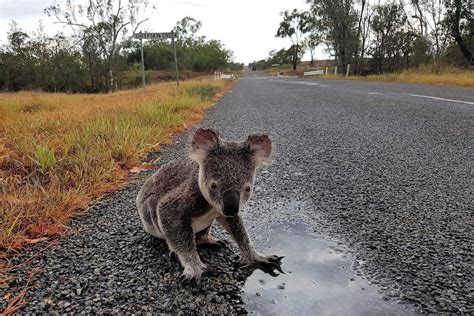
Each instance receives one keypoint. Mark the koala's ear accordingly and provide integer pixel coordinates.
(204, 141)
(261, 148)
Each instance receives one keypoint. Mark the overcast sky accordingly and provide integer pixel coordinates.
(247, 27)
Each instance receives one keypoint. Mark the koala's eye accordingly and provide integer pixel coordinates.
(247, 189)
(213, 185)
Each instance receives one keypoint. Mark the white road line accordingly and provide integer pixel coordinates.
(442, 99)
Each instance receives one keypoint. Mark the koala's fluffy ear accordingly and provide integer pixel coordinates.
(261, 148)
(204, 141)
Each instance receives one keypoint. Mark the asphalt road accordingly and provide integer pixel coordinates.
(382, 170)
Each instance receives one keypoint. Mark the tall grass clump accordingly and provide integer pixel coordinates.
(205, 92)
(444, 75)
(60, 151)
(430, 74)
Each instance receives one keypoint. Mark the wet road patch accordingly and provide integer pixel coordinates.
(319, 280)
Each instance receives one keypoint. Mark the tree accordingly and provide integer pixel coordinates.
(195, 52)
(364, 29)
(311, 42)
(106, 24)
(211, 56)
(186, 30)
(186, 33)
(337, 22)
(435, 13)
(459, 21)
(294, 25)
(387, 21)
(281, 57)
(418, 5)
(36, 61)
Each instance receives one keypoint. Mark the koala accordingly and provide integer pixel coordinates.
(183, 199)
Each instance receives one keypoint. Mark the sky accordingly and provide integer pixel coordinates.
(247, 27)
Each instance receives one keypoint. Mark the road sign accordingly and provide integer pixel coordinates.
(161, 35)
(146, 35)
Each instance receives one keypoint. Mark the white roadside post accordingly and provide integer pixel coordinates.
(327, 71)
(348, 69)
(335, 70)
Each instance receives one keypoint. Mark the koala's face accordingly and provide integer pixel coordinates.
(227, 170)
(227, 179)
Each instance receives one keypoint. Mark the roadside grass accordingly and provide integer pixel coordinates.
(429, 74)
(450, 76)
(446, 75)
(58, 152)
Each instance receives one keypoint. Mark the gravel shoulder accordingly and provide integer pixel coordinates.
(389, 176)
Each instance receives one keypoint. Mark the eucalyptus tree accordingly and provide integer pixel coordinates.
(294, 25)
(337, 20)
(311, 42)
(186, 31)
(387, 25)
(103, 24)
(459, 20)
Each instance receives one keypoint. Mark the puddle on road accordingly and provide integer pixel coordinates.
(319, 280)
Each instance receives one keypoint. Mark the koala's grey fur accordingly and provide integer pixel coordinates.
(184, 198)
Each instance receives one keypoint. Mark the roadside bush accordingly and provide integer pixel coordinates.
(134, 77)
(205, 92)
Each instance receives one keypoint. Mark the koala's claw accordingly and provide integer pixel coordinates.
(189, 279)
(267, 265)
(173, 257)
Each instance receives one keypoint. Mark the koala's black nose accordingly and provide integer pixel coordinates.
(231, 202)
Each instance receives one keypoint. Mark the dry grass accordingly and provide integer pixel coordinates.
(446, 75)
(60, 151)
(449, 76)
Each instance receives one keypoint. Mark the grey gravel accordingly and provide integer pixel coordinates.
(389, 175)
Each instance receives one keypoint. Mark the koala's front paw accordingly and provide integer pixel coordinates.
(267, 264)
(190, 277)
(193, 276)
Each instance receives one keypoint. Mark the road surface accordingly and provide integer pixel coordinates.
(370, 196)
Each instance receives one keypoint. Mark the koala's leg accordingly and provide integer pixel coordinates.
(249, 257)
(180, 239)
(204, 238)
(149, 216)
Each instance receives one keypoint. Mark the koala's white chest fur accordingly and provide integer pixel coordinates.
(202, 222)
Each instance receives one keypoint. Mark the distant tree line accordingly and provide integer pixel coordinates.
(98, 53)
(378, 37)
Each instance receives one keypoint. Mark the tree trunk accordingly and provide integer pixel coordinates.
(359, 31)
(111, 81)
(464, 49)
(456, 33)
(407, 54)
(90, 72)
(295, 56)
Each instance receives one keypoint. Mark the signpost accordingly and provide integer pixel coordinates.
(161, 35)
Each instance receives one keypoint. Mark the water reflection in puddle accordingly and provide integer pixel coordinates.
(319, 280)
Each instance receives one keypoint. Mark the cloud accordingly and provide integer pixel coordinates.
(20, 9)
